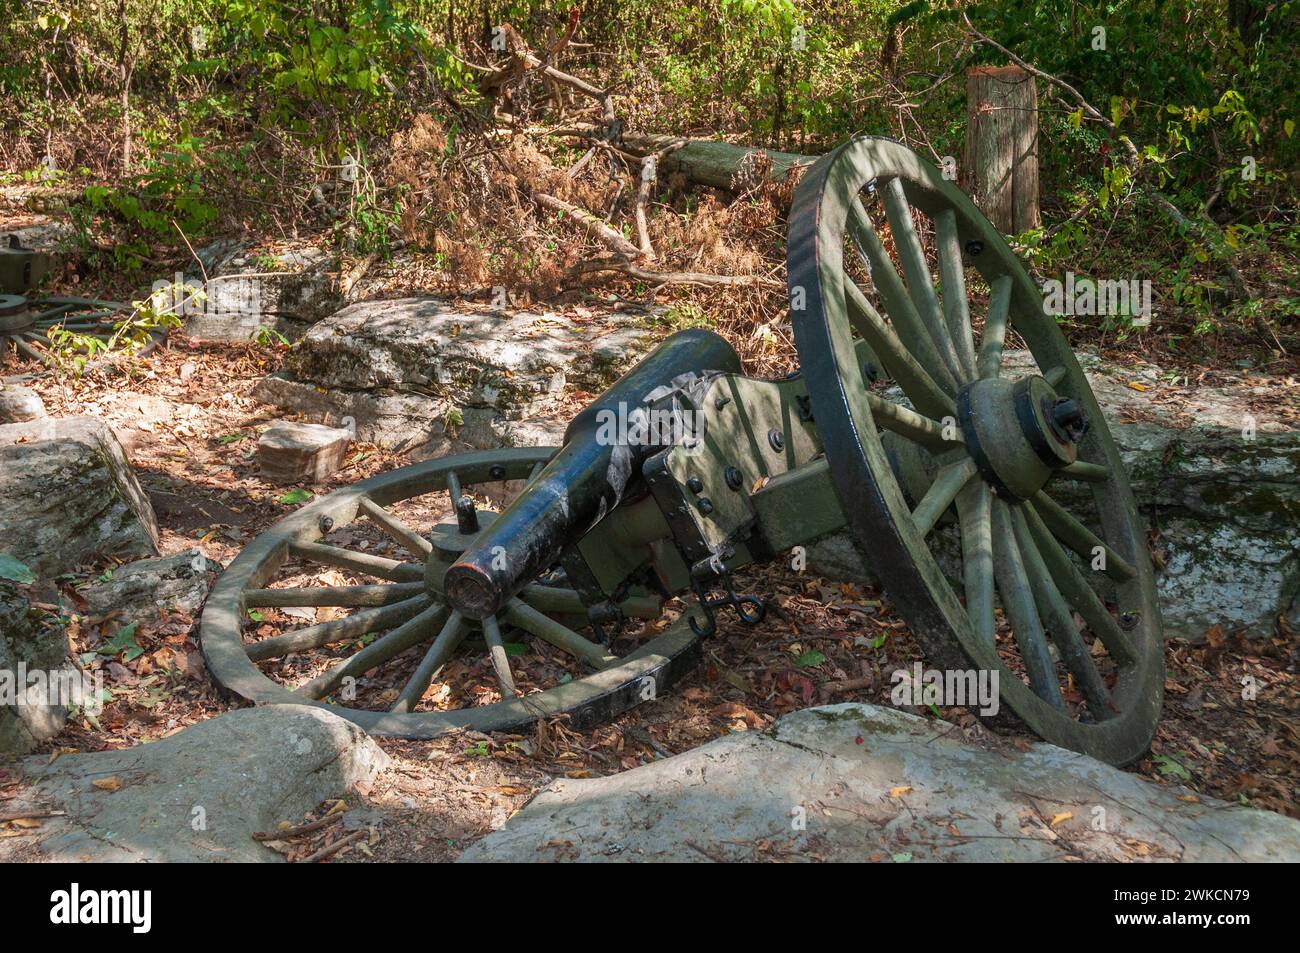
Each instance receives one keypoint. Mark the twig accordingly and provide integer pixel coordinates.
(649, 175)
(354, 274)
(301, 829)
(333, 848)
(31, 815)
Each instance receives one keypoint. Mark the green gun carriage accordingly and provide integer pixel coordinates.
(969, 488)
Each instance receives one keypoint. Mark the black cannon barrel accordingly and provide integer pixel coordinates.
(601, 456)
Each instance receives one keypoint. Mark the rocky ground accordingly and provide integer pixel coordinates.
(190, 425)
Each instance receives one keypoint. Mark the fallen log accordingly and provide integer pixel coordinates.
(709, 163)
(702, 161)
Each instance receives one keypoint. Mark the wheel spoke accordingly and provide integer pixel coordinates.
(915, 380)
(1081, 539)
(409, 633)
(920, 284)
(911, 330)
(974, 509)
(413, 542)
(340, 596)
(27, 351)
(524, 616)
(1060, 622)
(1085, 471)
(908, 423)
(500, 658)
(1018, 603)
(1055, 376)
(1081, 596)
(956, 309)
(327, 555)
(989, 363)
(452, 634)
(336, 630)
(948, 482)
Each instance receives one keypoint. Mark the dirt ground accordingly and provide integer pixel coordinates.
(191, 429)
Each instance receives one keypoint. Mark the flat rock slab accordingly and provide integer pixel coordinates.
(862, 783)
(412, 370)
(290, 452)
(140, 589)
(247, 292)
(199, 795)
(68, 496)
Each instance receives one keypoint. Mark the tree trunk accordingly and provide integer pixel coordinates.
(124, 68)
(1001, 169)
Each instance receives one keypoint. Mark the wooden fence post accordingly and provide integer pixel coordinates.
(1002, 145)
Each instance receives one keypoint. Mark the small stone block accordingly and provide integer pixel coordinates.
(301, 453)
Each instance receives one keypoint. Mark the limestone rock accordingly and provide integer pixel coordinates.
(139, 589)
(415, 370)
(19, 404)
(199, 795)
(290, 452)
(861, 783)
(68, 496)
(31, 643)
(286, 292)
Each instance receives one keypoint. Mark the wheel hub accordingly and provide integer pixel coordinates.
(14, 313)
(1019, 432)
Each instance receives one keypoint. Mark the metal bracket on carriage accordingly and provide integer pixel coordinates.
(713, 573)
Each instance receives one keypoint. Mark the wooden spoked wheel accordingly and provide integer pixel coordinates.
(26, 323)
(1024, 469)
(341, 604)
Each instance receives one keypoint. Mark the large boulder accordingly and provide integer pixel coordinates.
(202, 793)
(33, 657)
(861, 783)
(68, 496)
(415, 370)
(1219, 488)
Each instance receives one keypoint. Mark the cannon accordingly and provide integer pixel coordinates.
(988, 497)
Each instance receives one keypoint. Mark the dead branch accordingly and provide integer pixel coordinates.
(660, 278)
(607, 235)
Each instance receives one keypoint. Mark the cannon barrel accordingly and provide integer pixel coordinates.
(583, 482)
